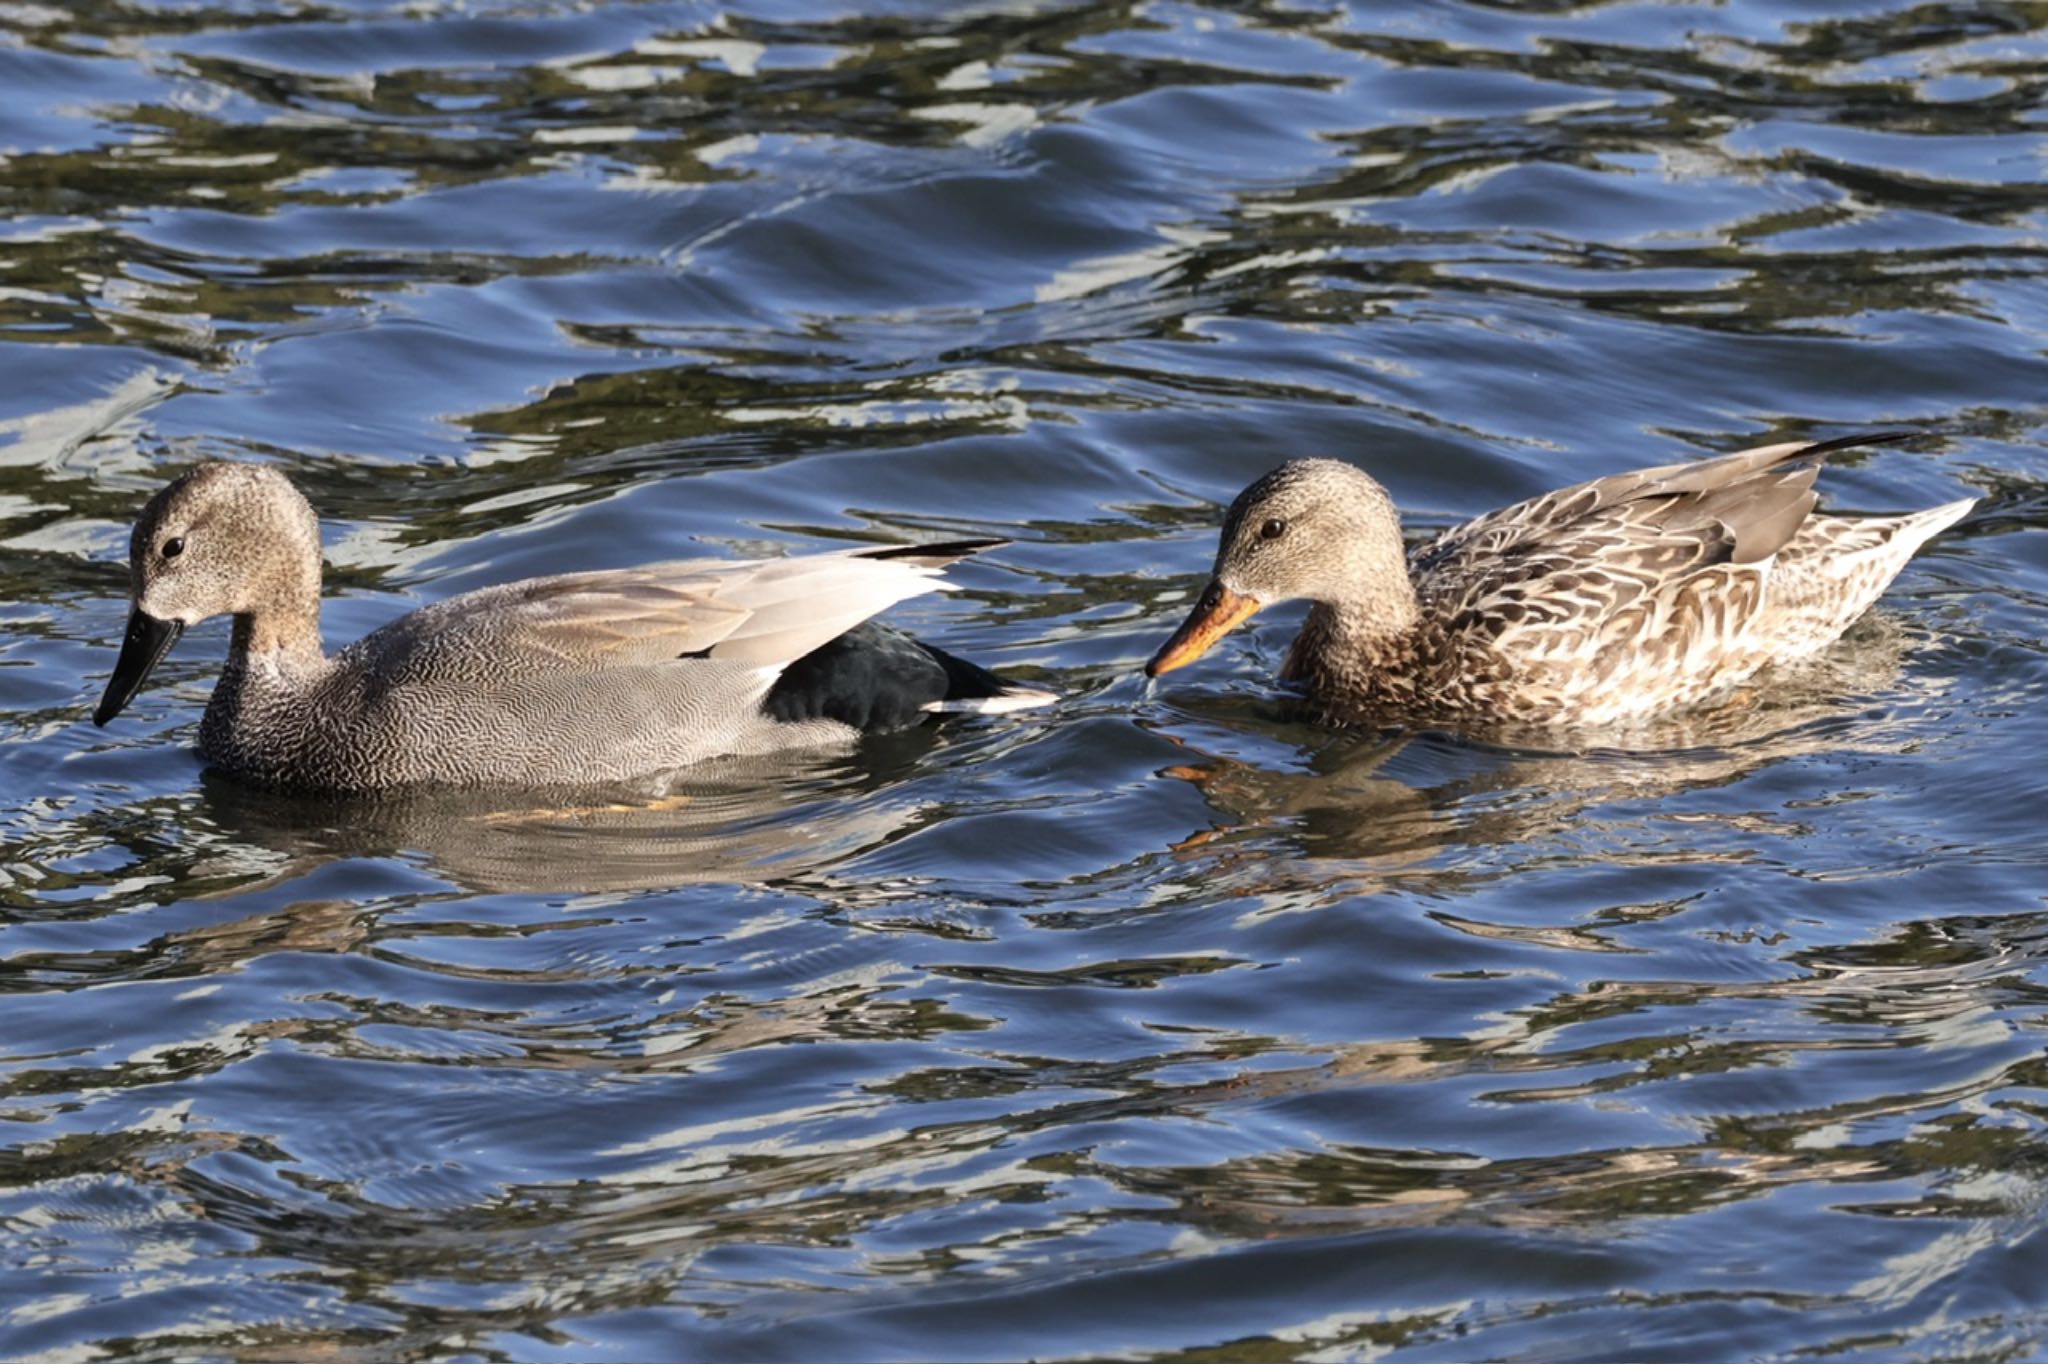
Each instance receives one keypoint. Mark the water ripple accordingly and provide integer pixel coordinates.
(1159, 1025)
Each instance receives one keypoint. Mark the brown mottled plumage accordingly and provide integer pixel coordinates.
(577, 678)
(1599, 603)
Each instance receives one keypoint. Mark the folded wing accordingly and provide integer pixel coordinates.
(759, 613)
(1639, 570)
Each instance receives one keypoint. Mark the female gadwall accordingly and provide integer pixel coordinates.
(1596, 604)
(583, 677)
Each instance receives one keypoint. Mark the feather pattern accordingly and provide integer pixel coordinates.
(759, 612)
(575, 678)
(1597, 603)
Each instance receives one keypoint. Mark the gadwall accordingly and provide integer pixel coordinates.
(1600, 603)
(581, 677)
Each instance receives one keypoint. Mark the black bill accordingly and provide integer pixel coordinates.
(147, 641)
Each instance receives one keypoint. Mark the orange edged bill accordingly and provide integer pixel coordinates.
(1218, 613)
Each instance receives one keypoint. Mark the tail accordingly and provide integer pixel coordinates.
(970, 688)
(876, 678)
(973, 689)
(1917, 528)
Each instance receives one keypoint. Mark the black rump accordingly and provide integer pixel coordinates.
(874, 678)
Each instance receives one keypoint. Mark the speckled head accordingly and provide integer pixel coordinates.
(1314, 528)
(225, 539)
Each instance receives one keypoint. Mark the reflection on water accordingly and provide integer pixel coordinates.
(1160, 1024)
(737, 820)
(1344, 804)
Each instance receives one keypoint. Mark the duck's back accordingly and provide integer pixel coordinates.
(1651, 590)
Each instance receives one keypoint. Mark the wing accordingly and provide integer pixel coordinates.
(764, 613)
(1761, 495)
(1616, 595)
(1651, 573)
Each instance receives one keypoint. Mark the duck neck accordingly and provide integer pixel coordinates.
(275, 665)
(280, 629)
(290, 636)
(1356, 645)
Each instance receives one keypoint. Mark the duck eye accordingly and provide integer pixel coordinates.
(1273, 529)
(174, 546)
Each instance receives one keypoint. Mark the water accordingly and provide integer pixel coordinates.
(1156, 1025)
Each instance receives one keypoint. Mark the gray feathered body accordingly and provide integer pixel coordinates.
(420, 702)
(570, 679)
(577, 678)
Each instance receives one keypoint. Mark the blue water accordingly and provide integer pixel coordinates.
(1154, 1025)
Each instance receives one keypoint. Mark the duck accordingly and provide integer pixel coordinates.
(1604, 603)
(570, 679)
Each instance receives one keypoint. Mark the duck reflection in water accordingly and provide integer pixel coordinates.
(1331, 806)
(740, 820)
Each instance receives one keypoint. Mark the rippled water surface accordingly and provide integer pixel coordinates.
(1154, 1025)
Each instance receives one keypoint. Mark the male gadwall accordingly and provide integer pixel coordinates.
(582, 677)
(1600, 603)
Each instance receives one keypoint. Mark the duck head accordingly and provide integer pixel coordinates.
(1313, 528)
(225, 539)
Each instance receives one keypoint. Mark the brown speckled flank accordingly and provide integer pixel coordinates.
(581, 677)
(1600, 603)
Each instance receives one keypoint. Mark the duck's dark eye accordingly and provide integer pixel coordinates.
(1273, 529)
(174, 546)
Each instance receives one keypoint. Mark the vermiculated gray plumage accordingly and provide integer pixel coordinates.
(581, 677)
